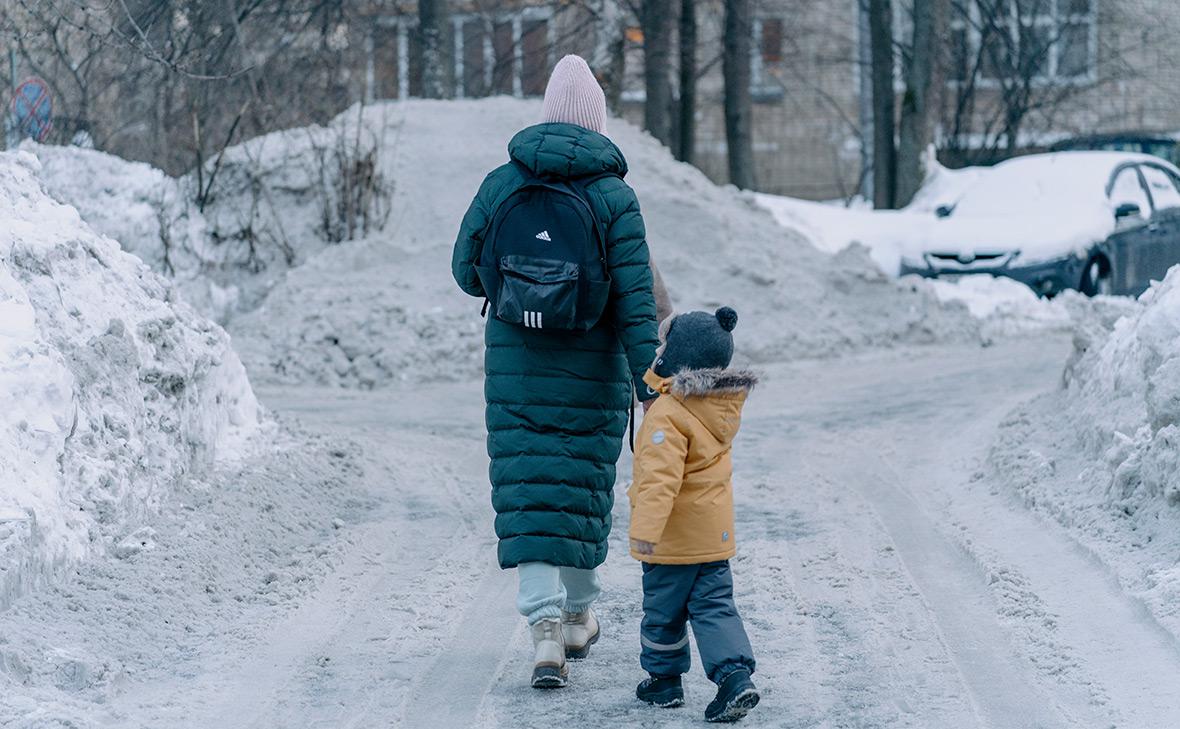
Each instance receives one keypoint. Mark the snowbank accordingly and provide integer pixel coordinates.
(111, 388)
(1003, 306)
(1125, 394)
(269, 205)
(150, 214)
(360, 315)
(1103, 454)
(279, 199)
(889, 235)
(388, 309)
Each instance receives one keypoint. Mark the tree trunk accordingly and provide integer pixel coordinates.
(657, 64)
(735, 67)
(884, 149)
(610, 59)
(915, 106)
(687, 126)
(437, 68)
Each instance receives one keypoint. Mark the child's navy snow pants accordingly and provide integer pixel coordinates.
(676, 594)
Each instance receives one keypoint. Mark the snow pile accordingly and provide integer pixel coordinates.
(360, 315)
(112, 390)
(387, 308)
(279, 199)
(889, 235)
(150, 214)
(1004, 306)
(1125, 394)
(269, 205)
(1102, 455)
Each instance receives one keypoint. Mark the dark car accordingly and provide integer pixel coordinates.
(1157, 145)
(1098, 222)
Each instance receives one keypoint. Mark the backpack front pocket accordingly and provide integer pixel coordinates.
(538, 293)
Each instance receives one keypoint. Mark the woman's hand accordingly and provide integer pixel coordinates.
(643, 547)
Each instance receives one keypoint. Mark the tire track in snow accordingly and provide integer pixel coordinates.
(451, 691)
(955, 590)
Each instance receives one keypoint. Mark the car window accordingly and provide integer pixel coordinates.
(1163, 188)
(1127, 189)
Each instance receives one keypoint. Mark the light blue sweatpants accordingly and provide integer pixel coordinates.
(546, 590)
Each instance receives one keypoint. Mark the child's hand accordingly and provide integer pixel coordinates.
(643, 547)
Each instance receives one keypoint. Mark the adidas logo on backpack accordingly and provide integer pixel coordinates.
(544, 235)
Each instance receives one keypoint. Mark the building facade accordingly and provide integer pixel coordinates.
(1014, 75)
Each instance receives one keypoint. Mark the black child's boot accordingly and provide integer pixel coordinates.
(662, 691)
(736, 695)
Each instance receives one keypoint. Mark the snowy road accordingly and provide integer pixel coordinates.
(886, 582)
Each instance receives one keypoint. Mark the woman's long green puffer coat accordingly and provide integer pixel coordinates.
(558, 402)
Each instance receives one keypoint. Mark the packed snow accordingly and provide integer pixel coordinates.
(114, 389)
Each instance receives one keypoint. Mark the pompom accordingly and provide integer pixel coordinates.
(727, 317)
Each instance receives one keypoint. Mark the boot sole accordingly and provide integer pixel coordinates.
(737, 707)
(550, 677)
(578, 654)
(665, 702)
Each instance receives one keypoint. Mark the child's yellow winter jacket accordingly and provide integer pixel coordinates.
(681, 495)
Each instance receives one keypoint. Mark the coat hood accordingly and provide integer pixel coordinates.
(565, 151)
(714, 397)
(701, 383)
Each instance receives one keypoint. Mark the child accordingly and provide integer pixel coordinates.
(682, 515)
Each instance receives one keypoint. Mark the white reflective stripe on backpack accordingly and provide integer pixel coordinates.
(532, 319)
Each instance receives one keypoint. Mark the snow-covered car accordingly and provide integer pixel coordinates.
(1098, 222)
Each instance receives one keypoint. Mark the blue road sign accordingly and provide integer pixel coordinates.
(32, 109)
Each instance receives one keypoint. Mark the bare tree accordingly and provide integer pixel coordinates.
(609, 57)
(687, 123)
(1002, 91)
(735, 67)
(656, 20)
(881, 69)
(916, 123)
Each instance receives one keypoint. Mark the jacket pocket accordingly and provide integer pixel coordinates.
(538, 293)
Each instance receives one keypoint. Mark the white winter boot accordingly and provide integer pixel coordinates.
(580, 631)
(549, 668)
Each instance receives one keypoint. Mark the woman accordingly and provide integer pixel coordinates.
(558, 401)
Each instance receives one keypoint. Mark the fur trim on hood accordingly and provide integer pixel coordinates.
(697, 383)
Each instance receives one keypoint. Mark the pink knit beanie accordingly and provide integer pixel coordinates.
(573, 96)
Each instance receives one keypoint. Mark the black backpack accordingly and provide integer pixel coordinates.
(543, 263)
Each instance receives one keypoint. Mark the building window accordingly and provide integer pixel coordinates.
(1044, 41)
(767, 57)
(772, 41)
(499, 54)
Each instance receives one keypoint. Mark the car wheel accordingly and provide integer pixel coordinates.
(1097, 281)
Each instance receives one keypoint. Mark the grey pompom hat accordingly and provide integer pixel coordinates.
(697, 340)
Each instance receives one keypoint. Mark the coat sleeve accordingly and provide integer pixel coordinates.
(633, 306)
(469, 243)
(660, 460)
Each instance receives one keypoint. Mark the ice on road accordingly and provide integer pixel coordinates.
(886, 579)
